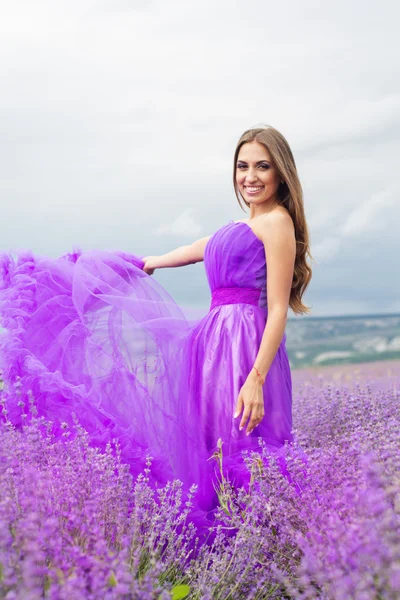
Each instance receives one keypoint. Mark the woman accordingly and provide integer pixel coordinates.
(93, 334)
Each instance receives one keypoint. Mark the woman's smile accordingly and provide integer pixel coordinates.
(257, 177)
(253, 190)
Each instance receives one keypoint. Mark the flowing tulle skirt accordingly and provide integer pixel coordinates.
(91, 335)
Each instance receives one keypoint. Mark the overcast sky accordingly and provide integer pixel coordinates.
(119, 120)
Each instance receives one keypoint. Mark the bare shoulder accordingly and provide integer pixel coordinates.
(276, 225)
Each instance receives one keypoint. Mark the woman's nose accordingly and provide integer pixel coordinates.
(251, 176)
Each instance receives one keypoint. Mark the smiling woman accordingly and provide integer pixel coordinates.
(256, 177)
(93, 334)
(265, 177)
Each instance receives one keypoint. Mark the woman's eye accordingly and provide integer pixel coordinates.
(264, 166)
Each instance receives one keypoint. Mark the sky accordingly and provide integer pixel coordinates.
(119, 120)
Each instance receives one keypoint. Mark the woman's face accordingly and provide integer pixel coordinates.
(256, 177)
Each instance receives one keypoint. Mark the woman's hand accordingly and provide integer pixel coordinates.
(150, 264)
(251, 401)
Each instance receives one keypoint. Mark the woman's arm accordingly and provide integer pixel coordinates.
(280, 249)
(184, 255)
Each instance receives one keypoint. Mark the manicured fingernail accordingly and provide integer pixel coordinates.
(240, 428)
(235, 416)
(249, 432)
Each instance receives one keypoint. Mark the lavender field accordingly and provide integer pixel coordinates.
(73, 525)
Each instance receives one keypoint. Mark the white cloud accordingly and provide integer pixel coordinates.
(326, 250)
(375, 215)
(116, 115)
(340, 307)
(394, 307)
(372, 215)
(183, 226)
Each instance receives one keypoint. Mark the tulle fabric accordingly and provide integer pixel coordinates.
(92, 334)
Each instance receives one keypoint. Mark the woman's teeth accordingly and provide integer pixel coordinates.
(254, 190)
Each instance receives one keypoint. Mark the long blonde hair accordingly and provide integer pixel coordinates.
(289, 195)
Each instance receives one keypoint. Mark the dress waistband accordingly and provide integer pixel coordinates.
(235, 295)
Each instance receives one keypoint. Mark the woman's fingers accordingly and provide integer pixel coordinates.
(250, 410)
(239, 406)
(147, 269)
(245, 416)
(257, 416)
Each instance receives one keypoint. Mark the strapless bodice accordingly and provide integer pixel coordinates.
(235, 263)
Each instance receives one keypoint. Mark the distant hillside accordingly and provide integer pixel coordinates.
(313, 341)
(320, 341)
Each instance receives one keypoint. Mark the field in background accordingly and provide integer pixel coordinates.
(319, 341)
(74, 524)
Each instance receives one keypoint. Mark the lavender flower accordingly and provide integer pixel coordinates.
(74, 524)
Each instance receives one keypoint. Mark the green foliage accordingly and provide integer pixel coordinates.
(180, 591)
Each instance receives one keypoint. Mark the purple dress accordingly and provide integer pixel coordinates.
(92, 334)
